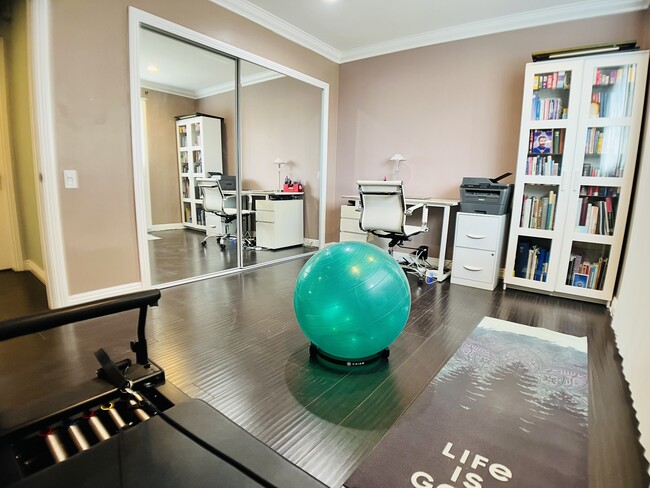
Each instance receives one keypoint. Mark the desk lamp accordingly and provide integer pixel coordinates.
(280, 163)
(398, 158)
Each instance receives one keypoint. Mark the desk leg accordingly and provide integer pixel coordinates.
(441, 275)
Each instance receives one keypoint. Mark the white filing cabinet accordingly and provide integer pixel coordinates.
(478, 249)
(349, 225)
(279, 223)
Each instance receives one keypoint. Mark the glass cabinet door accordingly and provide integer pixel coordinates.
(602, 177)
(547, 145)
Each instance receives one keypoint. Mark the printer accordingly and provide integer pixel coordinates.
(225, 182)
(485, 195)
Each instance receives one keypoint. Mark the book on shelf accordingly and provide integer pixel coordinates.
(586, 273)
(531, 261)
(538, 212)
(521, 259)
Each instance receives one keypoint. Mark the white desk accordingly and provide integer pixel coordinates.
(446, 205)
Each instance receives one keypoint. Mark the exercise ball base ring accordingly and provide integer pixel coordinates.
(314, 351)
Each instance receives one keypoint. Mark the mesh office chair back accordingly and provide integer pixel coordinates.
(382, 206)
(214, 201)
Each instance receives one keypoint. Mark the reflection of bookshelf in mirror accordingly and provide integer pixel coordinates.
(580, 126)
(198, 139)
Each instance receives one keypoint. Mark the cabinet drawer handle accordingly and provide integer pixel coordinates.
(476, 236)
(472, 268)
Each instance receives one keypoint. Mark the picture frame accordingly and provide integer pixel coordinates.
(580, 280)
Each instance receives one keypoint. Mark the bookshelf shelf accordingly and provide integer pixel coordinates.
(575, 168)
(199, 143)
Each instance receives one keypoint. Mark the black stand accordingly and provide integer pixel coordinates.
(315, 352)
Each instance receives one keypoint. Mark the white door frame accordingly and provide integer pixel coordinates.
(6, 174)
(136, 19)
(45, 167)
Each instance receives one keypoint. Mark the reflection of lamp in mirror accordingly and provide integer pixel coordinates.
(398, 158)
(280, 163)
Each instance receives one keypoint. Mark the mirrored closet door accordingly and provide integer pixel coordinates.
(232, 154)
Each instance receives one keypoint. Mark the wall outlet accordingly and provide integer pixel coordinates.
(70, 178)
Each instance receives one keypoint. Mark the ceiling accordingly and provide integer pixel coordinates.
(347, 30)
(187, 70)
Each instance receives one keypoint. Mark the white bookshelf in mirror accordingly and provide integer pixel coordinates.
(199, 145)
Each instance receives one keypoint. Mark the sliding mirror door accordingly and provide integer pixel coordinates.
(209, 118)
(188, 107)
(280, 123)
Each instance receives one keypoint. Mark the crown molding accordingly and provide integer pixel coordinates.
(536, 18)
(544, 16)
(172, 90)
(228, 86)
(280, 27)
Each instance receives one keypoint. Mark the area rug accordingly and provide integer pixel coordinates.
(509, 409)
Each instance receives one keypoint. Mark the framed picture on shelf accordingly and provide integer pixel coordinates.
(542, 141)
(580, 280)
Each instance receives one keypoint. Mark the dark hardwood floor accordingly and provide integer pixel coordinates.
(178, 254)
(234, 342)
(21, 293)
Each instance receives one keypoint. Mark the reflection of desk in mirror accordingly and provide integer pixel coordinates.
(279, 220)
(440, 273)
(278, 217)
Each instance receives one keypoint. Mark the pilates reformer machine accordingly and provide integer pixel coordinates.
(124, 425)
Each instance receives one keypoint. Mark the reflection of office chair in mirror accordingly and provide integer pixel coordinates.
(214, 201)
(384, 213)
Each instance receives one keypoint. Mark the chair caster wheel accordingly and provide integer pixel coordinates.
(222, 246)
(203, 243)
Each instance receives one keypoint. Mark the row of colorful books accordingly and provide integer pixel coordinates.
(531, 261)
(558, 80)
(611, 76)
(596, 217)
(583, 273)
(611, 104)
(594, 143)
(599, 191)
(538, 212)
(548, 109)
(543, 166)
(595, 170)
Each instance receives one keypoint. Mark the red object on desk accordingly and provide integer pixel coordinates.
(291, 187)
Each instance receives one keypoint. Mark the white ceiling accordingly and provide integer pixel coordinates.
(346, 30)
(191, 71)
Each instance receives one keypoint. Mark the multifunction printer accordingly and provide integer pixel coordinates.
(485, 195)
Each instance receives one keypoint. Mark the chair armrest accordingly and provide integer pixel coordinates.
(425, 214)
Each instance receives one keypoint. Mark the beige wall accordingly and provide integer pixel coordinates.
(452, 110)
(281, 119)
(89, 46)
(162, 108)
(630, 317)
(15, 36)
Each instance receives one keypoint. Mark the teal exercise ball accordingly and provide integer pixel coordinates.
(352, 300)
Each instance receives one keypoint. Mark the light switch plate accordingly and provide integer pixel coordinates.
(70, 178)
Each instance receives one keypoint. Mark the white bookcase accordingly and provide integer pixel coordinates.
(198, 139)
(580, 126)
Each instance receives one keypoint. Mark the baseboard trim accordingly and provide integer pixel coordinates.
(36, 270)
(311, 242)
(104, 293)
(159, 227)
